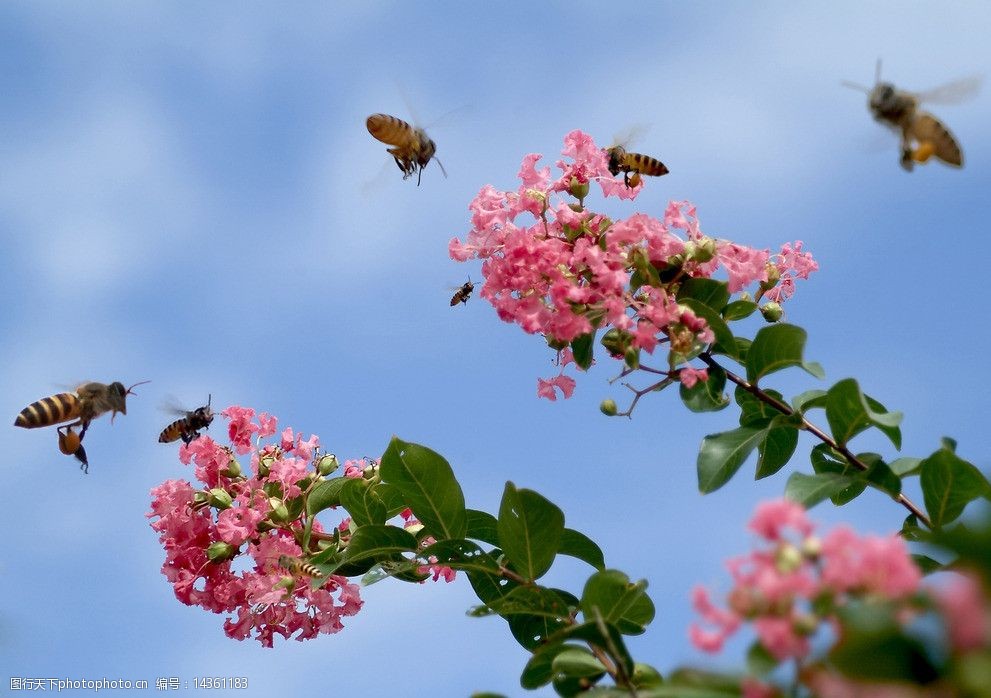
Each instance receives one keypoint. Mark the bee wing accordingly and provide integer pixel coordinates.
(171, 405)
(631, 135)
(952, 92)
(414, 116)
(378, 182)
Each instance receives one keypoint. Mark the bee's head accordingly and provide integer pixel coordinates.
(882, 97)
(615, 154)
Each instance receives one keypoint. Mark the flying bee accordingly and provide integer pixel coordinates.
(299, 567)
(84, 404)
(188, 427)
(463, 293)
(922, 134)
(412, 148)
(620, 160)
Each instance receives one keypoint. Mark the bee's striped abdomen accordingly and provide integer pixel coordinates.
(172, 431)
(49, 410)
(646, 164)
(297, 566)
(389, 129)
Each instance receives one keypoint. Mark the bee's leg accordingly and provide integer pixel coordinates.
(80, 455)
(906, 159)
(82, 433)
(626, 177)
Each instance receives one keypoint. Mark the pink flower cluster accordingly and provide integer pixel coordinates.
(793, 583)
(242, 519)
(556, 268)
(775, 585)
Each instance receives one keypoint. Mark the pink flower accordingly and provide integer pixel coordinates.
(872, 563)
(210, 459)
(238, 524)
(778, 637)
(726, 622)
(690, 376)
(241, 428)
(772, 518)
(968, 617)
(545, 388)
(266, 425)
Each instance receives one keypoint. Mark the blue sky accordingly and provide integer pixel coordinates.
(188, 195)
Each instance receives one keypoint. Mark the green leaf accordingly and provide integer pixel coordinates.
(575, 544)
(808, 400)
(530, 529)
(611, 642)
(710, 292)
(539, 670)
(429, 487)
(721, 455)
(391, 496)
(880, 475)
(461, 555)
(325, 495)
(774, 452)
(875, 648)
(949, 483)
(577, 662)
(809, 490)
(738, 310)
(532, 631)
(850, 412)
(724, 337)
(906, 467)
(489, 586)
(482, 526)
(926, 563)
(583, 348)
(760, 662)
(362, 503)
(752, 409)
(374, 542)
(774, 348)
(706, 396)
(620, 602)
(534, 601)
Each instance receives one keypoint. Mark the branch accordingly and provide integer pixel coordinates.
(812, 429)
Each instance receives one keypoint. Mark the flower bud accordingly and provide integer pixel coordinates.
(219, 551)
(788, 558)
(232, 470)
(280, 513)
(812, 548)
(328, 464)
(616, 341)
(705, 250)
(632, 357)
(220, 498)
(608, 407)
(646, 676)
(772, 311)
(773, 277)
(578, 189)
(200, 499)
(805, 623)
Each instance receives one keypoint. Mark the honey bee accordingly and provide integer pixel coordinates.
(922, 134)
(463, 293)
(84, 404)
(412, 148)
(188, 427)
(299, 567)
(620, 160)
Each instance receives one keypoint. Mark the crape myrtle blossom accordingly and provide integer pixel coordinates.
(794, 582)
(223, 538)
(557, 268)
